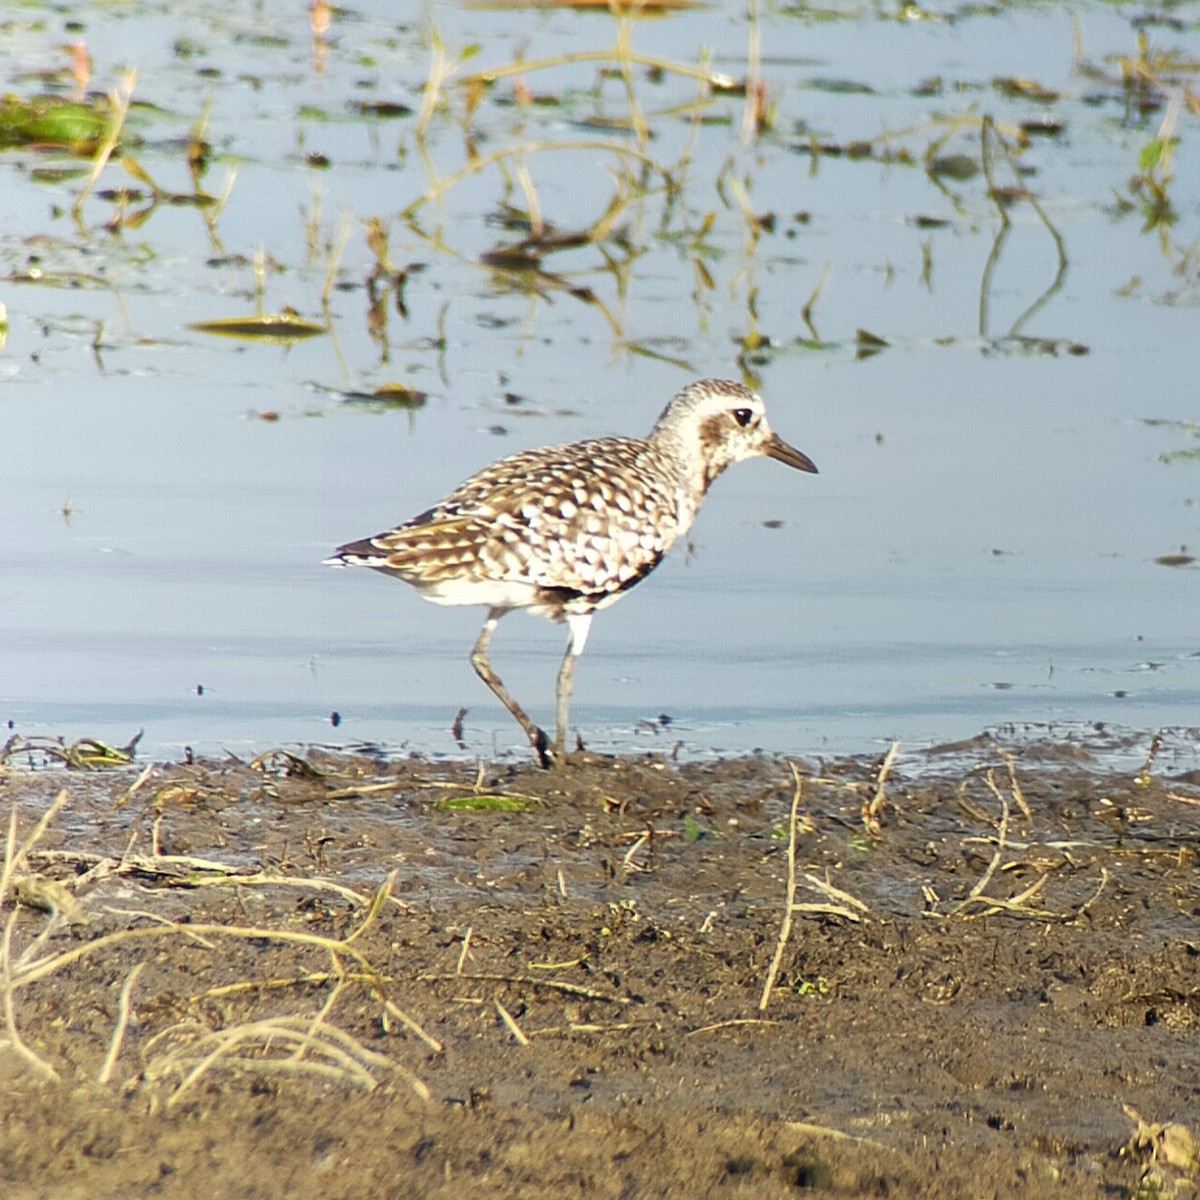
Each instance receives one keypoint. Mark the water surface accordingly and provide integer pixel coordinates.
(980, 547)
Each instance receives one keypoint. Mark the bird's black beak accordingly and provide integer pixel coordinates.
(779, 450)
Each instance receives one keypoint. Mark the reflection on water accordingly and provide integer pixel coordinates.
(985, 358)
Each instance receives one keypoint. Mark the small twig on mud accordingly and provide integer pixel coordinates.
(785, 925)
(873, 807)
(371, 789)
(557, 985)
(1184, 799)
(136, 785)
(969, 806)
(730, 1024)
(846, 904)
(1002, 834)
(510, 1024)
(807, 1130)
(1013, 785)
(1018, 904)
(628, 857)
(410, 1024)
(466, 949)
(1095, 895)
(588, 1027)
(118, 1036)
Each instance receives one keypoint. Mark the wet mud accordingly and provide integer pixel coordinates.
(340, 975)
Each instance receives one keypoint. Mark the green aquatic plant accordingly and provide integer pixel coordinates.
(54, 122)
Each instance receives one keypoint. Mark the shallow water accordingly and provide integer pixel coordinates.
(979, 548)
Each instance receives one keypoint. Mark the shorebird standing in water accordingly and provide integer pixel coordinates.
(566, 530)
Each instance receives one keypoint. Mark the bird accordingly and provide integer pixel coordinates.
(564, 531)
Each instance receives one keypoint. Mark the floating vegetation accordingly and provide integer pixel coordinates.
(1190, 430)
(487, 802)
(53, 122)
(263, 327)
(398, 395)
(385, 109)
(84, 754)
(1025, 89)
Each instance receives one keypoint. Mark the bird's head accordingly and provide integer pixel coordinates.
(717, 422)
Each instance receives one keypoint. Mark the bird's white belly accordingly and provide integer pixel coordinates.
(495, 593)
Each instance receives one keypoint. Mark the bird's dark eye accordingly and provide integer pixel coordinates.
(742, 416)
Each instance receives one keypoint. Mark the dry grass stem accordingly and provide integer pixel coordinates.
(806, 312)
(317, 1023)
(1095, 895)
(465, 950)
(136, 786)
(40, 1067)
(118, 101)
(712, 79)
(557, 985)
(806, 1130)
(1018, 905)
(625, 61)
(785, 925)
(734, 1023)
(374, 789)
(836, 893)
(379, 901)
(185, 870)
(629, 855)
(16, 855)
(1013, 786)
(510, 1024)
(412, 1026)
(283, 983)
(333, 259)
(1002, 836)
(333, 1054)
(439, 187)
(124, 1006)
(28, 973)
(873, 807)
(141, 914)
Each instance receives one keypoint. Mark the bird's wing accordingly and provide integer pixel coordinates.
(580, 518)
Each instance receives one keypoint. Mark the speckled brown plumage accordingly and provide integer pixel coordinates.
(566, 530)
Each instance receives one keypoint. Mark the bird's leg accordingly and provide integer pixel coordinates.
(578, 623)
(483, 668)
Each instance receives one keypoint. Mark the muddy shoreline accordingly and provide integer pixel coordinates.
(340, 975)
